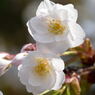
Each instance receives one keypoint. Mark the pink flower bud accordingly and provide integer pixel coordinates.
(28, 47)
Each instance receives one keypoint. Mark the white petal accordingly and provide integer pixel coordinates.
(76, 42)
(39, 31)
(72, 12)
(44, 7)
(76, 35)
(59, 81)
(55, 47)
(1, 93)
(36, 80)
(34, 89)
(23, 74)
(59, 13)
(17, 60)
(76, 31)
(47, 84)
(40, 83)
(29, 60)
(19, 67)
(69, 10)
(58, 64)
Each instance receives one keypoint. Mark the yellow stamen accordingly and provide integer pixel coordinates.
(55, 26)
(43, 66)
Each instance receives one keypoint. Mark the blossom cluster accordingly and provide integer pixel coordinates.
(55, 29)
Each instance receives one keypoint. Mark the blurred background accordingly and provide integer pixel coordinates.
(13, 32)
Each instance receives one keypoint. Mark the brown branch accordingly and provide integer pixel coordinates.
(85, 71)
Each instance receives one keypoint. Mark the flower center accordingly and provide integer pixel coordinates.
(43, 66)
(55, 26)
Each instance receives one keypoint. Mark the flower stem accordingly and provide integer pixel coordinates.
(69, 53)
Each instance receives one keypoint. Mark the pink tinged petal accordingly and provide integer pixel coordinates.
(6, 56)
(3, 54)
(9, 57)
(19, 58)
(28, 47)
(60, 79)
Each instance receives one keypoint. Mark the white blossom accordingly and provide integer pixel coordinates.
(40, 72)
(1, 93)
(4, 63)
(54, 27)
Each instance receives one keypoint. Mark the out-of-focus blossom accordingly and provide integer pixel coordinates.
(40, 72)
(5, 63)
(1, 93)
(28, 47)
(55, 27)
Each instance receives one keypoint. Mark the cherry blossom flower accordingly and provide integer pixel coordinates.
(40, 72)
(54, 27)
